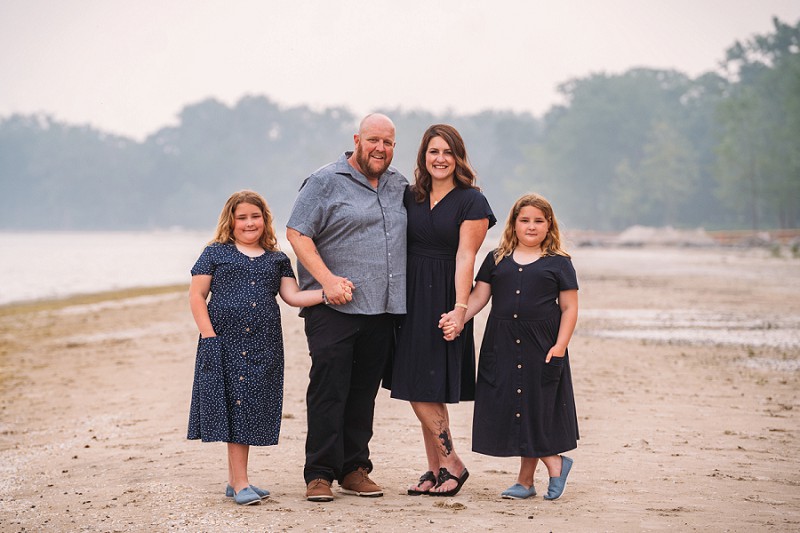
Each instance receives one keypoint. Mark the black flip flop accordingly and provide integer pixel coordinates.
(427, 476)
(444, 475)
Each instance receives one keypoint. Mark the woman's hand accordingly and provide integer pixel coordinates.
(452, 323)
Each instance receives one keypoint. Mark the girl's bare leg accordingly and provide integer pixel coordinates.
(527, 468)
(237, 466)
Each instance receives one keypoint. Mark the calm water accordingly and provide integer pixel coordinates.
(37, 266)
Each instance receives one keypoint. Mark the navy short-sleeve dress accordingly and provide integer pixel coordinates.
(237, 395)
(524, 407)
(426, 368)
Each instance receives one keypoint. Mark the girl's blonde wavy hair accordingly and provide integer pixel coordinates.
(508, 242)
(224, 232)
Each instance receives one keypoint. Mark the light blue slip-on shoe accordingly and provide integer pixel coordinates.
(246, 496)
(557, 484)
(518, 492)
(262, 493)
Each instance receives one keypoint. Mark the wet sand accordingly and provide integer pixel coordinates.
(685, 364)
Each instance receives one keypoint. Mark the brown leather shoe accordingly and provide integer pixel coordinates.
(319, 490)
(358, 482)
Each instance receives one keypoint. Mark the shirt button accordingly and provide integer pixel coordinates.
(515, 315)
(517, 415)
(253, 304)
(519, 366)
(238, 402)
(390, 275)
(520, 269)
(519, 391)
(252, 283)
(252, 259)
(241, 378)
(518, 341)
(247, 330)
(244, 353)
(517, 291)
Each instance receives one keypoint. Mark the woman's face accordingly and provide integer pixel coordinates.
(439, 160)
(531, 227)
(248, 224)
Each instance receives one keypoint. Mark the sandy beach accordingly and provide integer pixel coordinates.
(686, 365)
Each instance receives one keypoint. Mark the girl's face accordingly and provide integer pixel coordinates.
(248, 224)
(531, 227)
(439, 160)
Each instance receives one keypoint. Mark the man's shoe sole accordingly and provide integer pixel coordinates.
(319, 498)
(377, 494)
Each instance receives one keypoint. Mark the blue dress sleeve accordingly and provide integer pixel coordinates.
(205, 264)
(285, 266)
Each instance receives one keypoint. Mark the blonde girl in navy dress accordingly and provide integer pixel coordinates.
(524, 402)
(237, 395)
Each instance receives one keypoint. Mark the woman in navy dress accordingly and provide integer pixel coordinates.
(447, 221)
(237, 394)
(524, 402)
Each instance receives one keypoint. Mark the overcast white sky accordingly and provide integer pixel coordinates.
(129, 66)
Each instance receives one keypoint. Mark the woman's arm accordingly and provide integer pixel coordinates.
(291, 294)
(470, 238)
(198, 294)
(568, 302)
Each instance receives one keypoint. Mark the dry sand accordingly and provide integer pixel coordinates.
(692, 431)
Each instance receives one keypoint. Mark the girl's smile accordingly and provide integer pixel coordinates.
(248, 225)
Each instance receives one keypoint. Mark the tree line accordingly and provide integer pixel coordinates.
(651, 147)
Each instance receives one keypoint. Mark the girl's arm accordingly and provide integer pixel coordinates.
(568, 302)
(478, 299)
(198, 294)
(291, 294)
(470, 238)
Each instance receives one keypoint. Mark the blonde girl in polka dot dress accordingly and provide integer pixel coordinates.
(237, 395)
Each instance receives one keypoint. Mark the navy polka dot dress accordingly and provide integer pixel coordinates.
(237, 395)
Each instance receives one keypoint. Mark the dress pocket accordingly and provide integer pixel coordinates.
(487, 368)
(211, 381)
(551, 372)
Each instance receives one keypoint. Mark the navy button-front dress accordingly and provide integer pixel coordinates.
(237, 395)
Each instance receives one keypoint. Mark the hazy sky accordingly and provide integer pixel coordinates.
(129, 66)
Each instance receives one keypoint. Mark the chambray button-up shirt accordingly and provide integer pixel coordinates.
(360, 233)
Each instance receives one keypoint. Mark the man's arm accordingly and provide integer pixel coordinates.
(338, 290)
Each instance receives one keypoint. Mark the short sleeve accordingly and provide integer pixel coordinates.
(205, 264)
(567, 278)
(476, 207)
(308, 213)
(487, 267)
(285, 266)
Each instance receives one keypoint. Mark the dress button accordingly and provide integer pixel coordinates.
(517, 415)
(238, 402)
(519, 366)
(253, 304)
(517, 291)
(241, 378)
(515, 315)
(247, 330)
(520, 269)
(252, 259)
(519, 391)
(244, 353)
(252, 283)
(518, 341)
